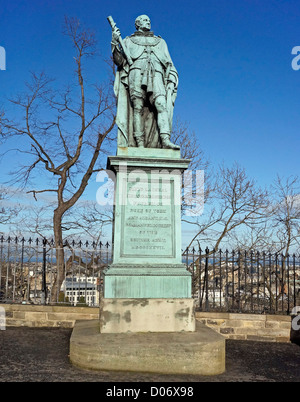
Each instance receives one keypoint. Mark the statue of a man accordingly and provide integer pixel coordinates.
(145, 87)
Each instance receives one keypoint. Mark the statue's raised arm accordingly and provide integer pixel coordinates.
(117, 38)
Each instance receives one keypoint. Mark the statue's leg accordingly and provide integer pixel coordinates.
(162, 114)
(138, 126)
(163, 122)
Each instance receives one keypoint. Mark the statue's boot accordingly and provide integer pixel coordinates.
(166, 143)
(139, 139)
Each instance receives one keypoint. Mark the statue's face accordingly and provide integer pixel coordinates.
(144, 23)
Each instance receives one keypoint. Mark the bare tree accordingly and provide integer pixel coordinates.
(285, 227)
(189, 146)
(8, 210)
(278, 229)
(249, 218)
(193, 179)
(254, 237)
(65, 131)
(286, 213)
(89, 220)
(234, 202)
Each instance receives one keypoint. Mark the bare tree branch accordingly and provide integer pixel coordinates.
(236, 202)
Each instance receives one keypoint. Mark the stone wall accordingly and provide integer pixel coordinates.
(256, 327)
(18, 315)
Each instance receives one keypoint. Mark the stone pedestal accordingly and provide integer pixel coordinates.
(147, 287)
(147, 226)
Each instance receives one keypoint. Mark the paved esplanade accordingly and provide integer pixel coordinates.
(41, 354)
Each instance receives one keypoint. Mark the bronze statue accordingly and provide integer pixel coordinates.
(145, 86)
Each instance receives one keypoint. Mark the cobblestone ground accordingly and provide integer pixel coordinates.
(41, 355)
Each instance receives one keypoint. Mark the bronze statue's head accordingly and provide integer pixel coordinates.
(143, 23)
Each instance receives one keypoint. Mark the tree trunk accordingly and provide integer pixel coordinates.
(60, 266)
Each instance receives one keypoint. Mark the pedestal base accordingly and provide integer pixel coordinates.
(201, 352)
(146, 315)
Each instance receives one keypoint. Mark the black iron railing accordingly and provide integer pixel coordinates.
(29, 271)
(245, 281)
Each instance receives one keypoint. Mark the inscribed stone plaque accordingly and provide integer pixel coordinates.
(148, 219)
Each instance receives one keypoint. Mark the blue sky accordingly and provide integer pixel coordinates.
(237, 89)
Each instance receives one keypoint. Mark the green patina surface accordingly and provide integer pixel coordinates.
(135, 286)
